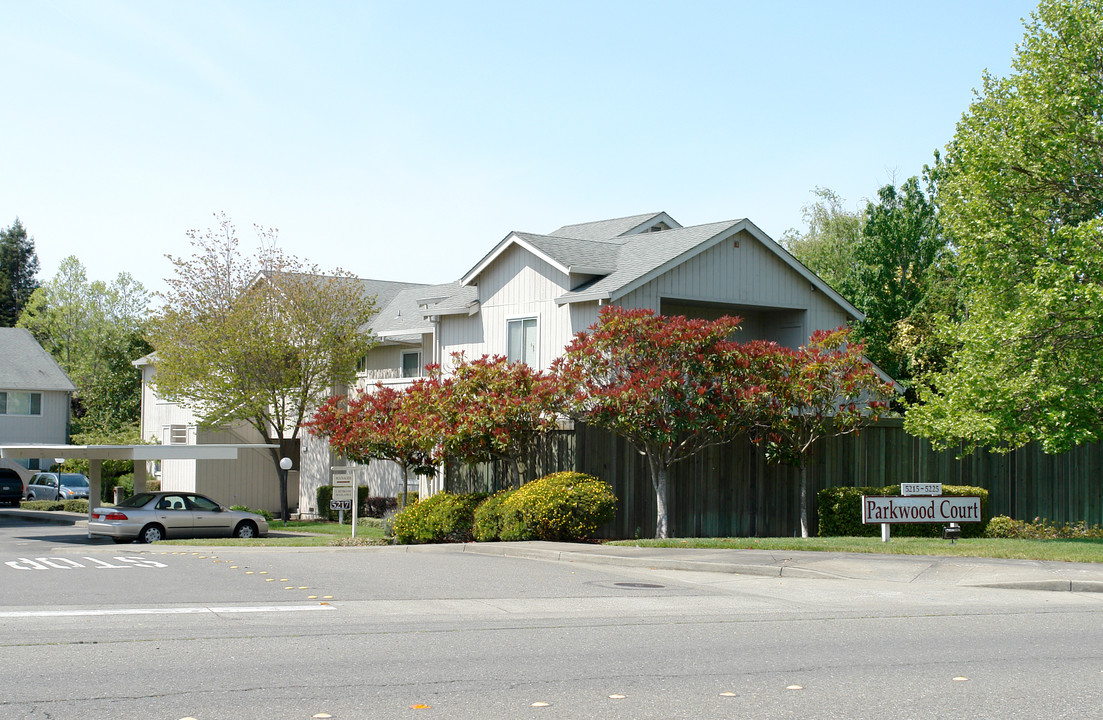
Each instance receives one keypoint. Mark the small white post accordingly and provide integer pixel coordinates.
(885, 533)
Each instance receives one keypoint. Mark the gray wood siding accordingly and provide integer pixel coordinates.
(49, 427)
(748, 275)
(517, 285)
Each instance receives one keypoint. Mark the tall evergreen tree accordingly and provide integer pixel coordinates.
(18, 267)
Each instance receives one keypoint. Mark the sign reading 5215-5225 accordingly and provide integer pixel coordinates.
(880, 509)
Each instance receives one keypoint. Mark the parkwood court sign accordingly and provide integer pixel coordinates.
(959, 509)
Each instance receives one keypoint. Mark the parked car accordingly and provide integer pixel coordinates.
(151, 516)
(58, 486)
(11, 487)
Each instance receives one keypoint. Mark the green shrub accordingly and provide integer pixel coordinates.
(840, 513)
(76, 506)
(126, 482)
(1002, 526)
(73, 506)
(565, 506)
(489, 517)
(263, 513)
(442, 518)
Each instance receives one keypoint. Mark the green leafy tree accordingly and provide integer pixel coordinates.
(1021, 197)
(828, 247)
(261, 340)
(94, 330)
(896, 255)
(18, 270)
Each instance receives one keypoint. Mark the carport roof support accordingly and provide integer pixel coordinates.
(96, 454)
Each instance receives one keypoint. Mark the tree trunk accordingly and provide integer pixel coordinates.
(658, 480)
(405, 483)
(803, 500)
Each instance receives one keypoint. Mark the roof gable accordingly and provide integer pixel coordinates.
(24, 365)
(615, 228)
(646, 256)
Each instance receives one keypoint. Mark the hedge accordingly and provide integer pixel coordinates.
(442, 518)
(564, 506)
(73, 506)
(490, 516)
(840, 513)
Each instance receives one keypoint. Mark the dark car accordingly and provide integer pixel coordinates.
(11, 487)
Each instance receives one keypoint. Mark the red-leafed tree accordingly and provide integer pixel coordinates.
(492, 409)
(670, 386)
(823, 389)
(383, 424)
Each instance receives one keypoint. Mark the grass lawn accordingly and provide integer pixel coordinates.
(1060, 550)
(314, 534)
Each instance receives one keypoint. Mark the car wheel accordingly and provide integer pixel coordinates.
(30, 497)
(245, 530)
(151, 534)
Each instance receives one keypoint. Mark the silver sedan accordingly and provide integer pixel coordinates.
(151, 516)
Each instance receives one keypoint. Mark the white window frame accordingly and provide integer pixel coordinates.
(533, 362)
(30, 403)
(417, 370)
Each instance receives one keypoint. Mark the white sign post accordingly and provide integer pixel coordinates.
(344, 494)
(907, 490)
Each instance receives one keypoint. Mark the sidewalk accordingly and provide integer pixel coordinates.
(912, 569)
(916, 569)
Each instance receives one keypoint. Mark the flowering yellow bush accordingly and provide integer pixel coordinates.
(564, 506)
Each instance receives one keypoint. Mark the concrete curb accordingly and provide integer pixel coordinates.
(1092, 586)
(56, 517)
(762, 570)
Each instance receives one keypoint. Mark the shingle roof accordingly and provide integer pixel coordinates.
(571, 252)
(24, 365)
(404, 312)
(603, 229)
(646, 252)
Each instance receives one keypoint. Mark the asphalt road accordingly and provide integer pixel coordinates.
(95, 630)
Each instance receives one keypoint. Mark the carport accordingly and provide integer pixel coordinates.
(96, 454)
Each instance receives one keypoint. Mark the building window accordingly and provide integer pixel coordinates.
(20, 403)
(178, 435)
(522, 340)
(362, 364)
(411, 364)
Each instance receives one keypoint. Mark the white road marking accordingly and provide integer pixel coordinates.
(45, 563)
(164, 611)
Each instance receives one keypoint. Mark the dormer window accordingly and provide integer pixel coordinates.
(658, 228)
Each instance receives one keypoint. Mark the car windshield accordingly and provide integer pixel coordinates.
(136, 501)
(74, 480)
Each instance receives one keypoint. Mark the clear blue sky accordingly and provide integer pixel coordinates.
(402, 140)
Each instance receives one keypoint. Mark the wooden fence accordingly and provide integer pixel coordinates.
(731, 490)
